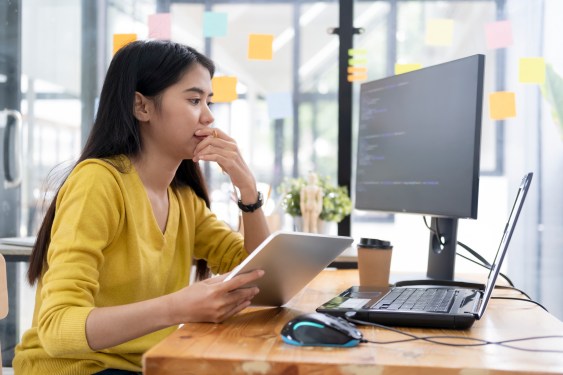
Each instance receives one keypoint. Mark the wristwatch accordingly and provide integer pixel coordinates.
(251, 207)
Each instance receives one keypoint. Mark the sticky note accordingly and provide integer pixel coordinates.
(160, 26)
(357, 77)
(502, 104)
(357, 69)
(404, 68)
(531, 70)
(280, 105)
(357, 52)
(439, 32)
(224, 89)
(260, 46)
(357, 61)
(120, 40)
(214, 24)
(498, 34)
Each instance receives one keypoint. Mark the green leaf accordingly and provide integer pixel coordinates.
(336, 202)
(552, 91)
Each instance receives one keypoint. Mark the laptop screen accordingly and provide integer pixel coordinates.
(508, 230)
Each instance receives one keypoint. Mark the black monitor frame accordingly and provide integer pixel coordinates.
(444, 224)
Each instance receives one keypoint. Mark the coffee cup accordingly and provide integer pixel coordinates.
(374, 262)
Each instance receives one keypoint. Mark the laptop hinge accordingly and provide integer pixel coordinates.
(477, 306)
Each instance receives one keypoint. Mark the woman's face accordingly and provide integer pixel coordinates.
(184, 108)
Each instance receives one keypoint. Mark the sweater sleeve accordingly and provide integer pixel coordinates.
(89, 210)
(215, 241)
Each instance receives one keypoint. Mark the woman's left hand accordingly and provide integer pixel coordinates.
(223, 150)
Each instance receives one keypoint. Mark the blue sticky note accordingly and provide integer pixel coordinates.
(214, 24)
(280, 105)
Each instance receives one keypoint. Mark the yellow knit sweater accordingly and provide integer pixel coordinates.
(107, 249)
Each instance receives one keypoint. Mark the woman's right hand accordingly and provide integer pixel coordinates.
(213, 300)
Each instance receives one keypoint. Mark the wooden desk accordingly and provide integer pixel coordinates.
(250, 343)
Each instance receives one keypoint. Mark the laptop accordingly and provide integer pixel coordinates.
(290, 261)
(431, 303)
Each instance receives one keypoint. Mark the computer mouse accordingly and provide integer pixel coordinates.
(318, 329)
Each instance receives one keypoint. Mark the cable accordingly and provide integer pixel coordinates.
(484, 266)
(484, 263)
(435, 339)
(436, 232)
(522, 299)
(513, 288)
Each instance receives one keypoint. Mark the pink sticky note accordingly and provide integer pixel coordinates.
(160, 26)
(498, 34)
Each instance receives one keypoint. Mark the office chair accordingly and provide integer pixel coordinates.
(3, 297)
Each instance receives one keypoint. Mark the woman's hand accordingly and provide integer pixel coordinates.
(213, 300)
(223, 150)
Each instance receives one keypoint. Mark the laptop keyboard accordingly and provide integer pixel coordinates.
(414, 299)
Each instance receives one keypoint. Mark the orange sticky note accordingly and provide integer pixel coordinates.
(439, 32)
(224, 89)
(531, 70)
(357, 77)
(120, 40)
(260, 46)
(502, 104)
(357, 69)
(404, 68)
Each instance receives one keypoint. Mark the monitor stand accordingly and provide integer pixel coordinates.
(441, 259)
(442, 249)
(441, 254)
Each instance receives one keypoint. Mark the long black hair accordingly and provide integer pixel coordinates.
(147, 67)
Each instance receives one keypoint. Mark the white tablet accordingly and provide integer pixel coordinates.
(290, 261)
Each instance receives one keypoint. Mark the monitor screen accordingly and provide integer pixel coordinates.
(419, 143)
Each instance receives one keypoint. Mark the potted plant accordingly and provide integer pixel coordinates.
(336, 202)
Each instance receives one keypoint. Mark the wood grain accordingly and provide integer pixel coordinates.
(249, 343)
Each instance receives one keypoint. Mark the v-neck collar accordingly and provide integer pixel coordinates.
(173, 211)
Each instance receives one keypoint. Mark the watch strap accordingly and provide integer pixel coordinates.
(251, 207)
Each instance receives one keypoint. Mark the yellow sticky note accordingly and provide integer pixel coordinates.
(120, 40)
(439, 32)
(260, 46)
(404, 68)
(531, 70)
(502, 104)
(224, 89)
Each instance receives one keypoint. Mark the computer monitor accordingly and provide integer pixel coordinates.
(419, 142)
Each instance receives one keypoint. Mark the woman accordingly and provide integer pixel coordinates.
(114, 252)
